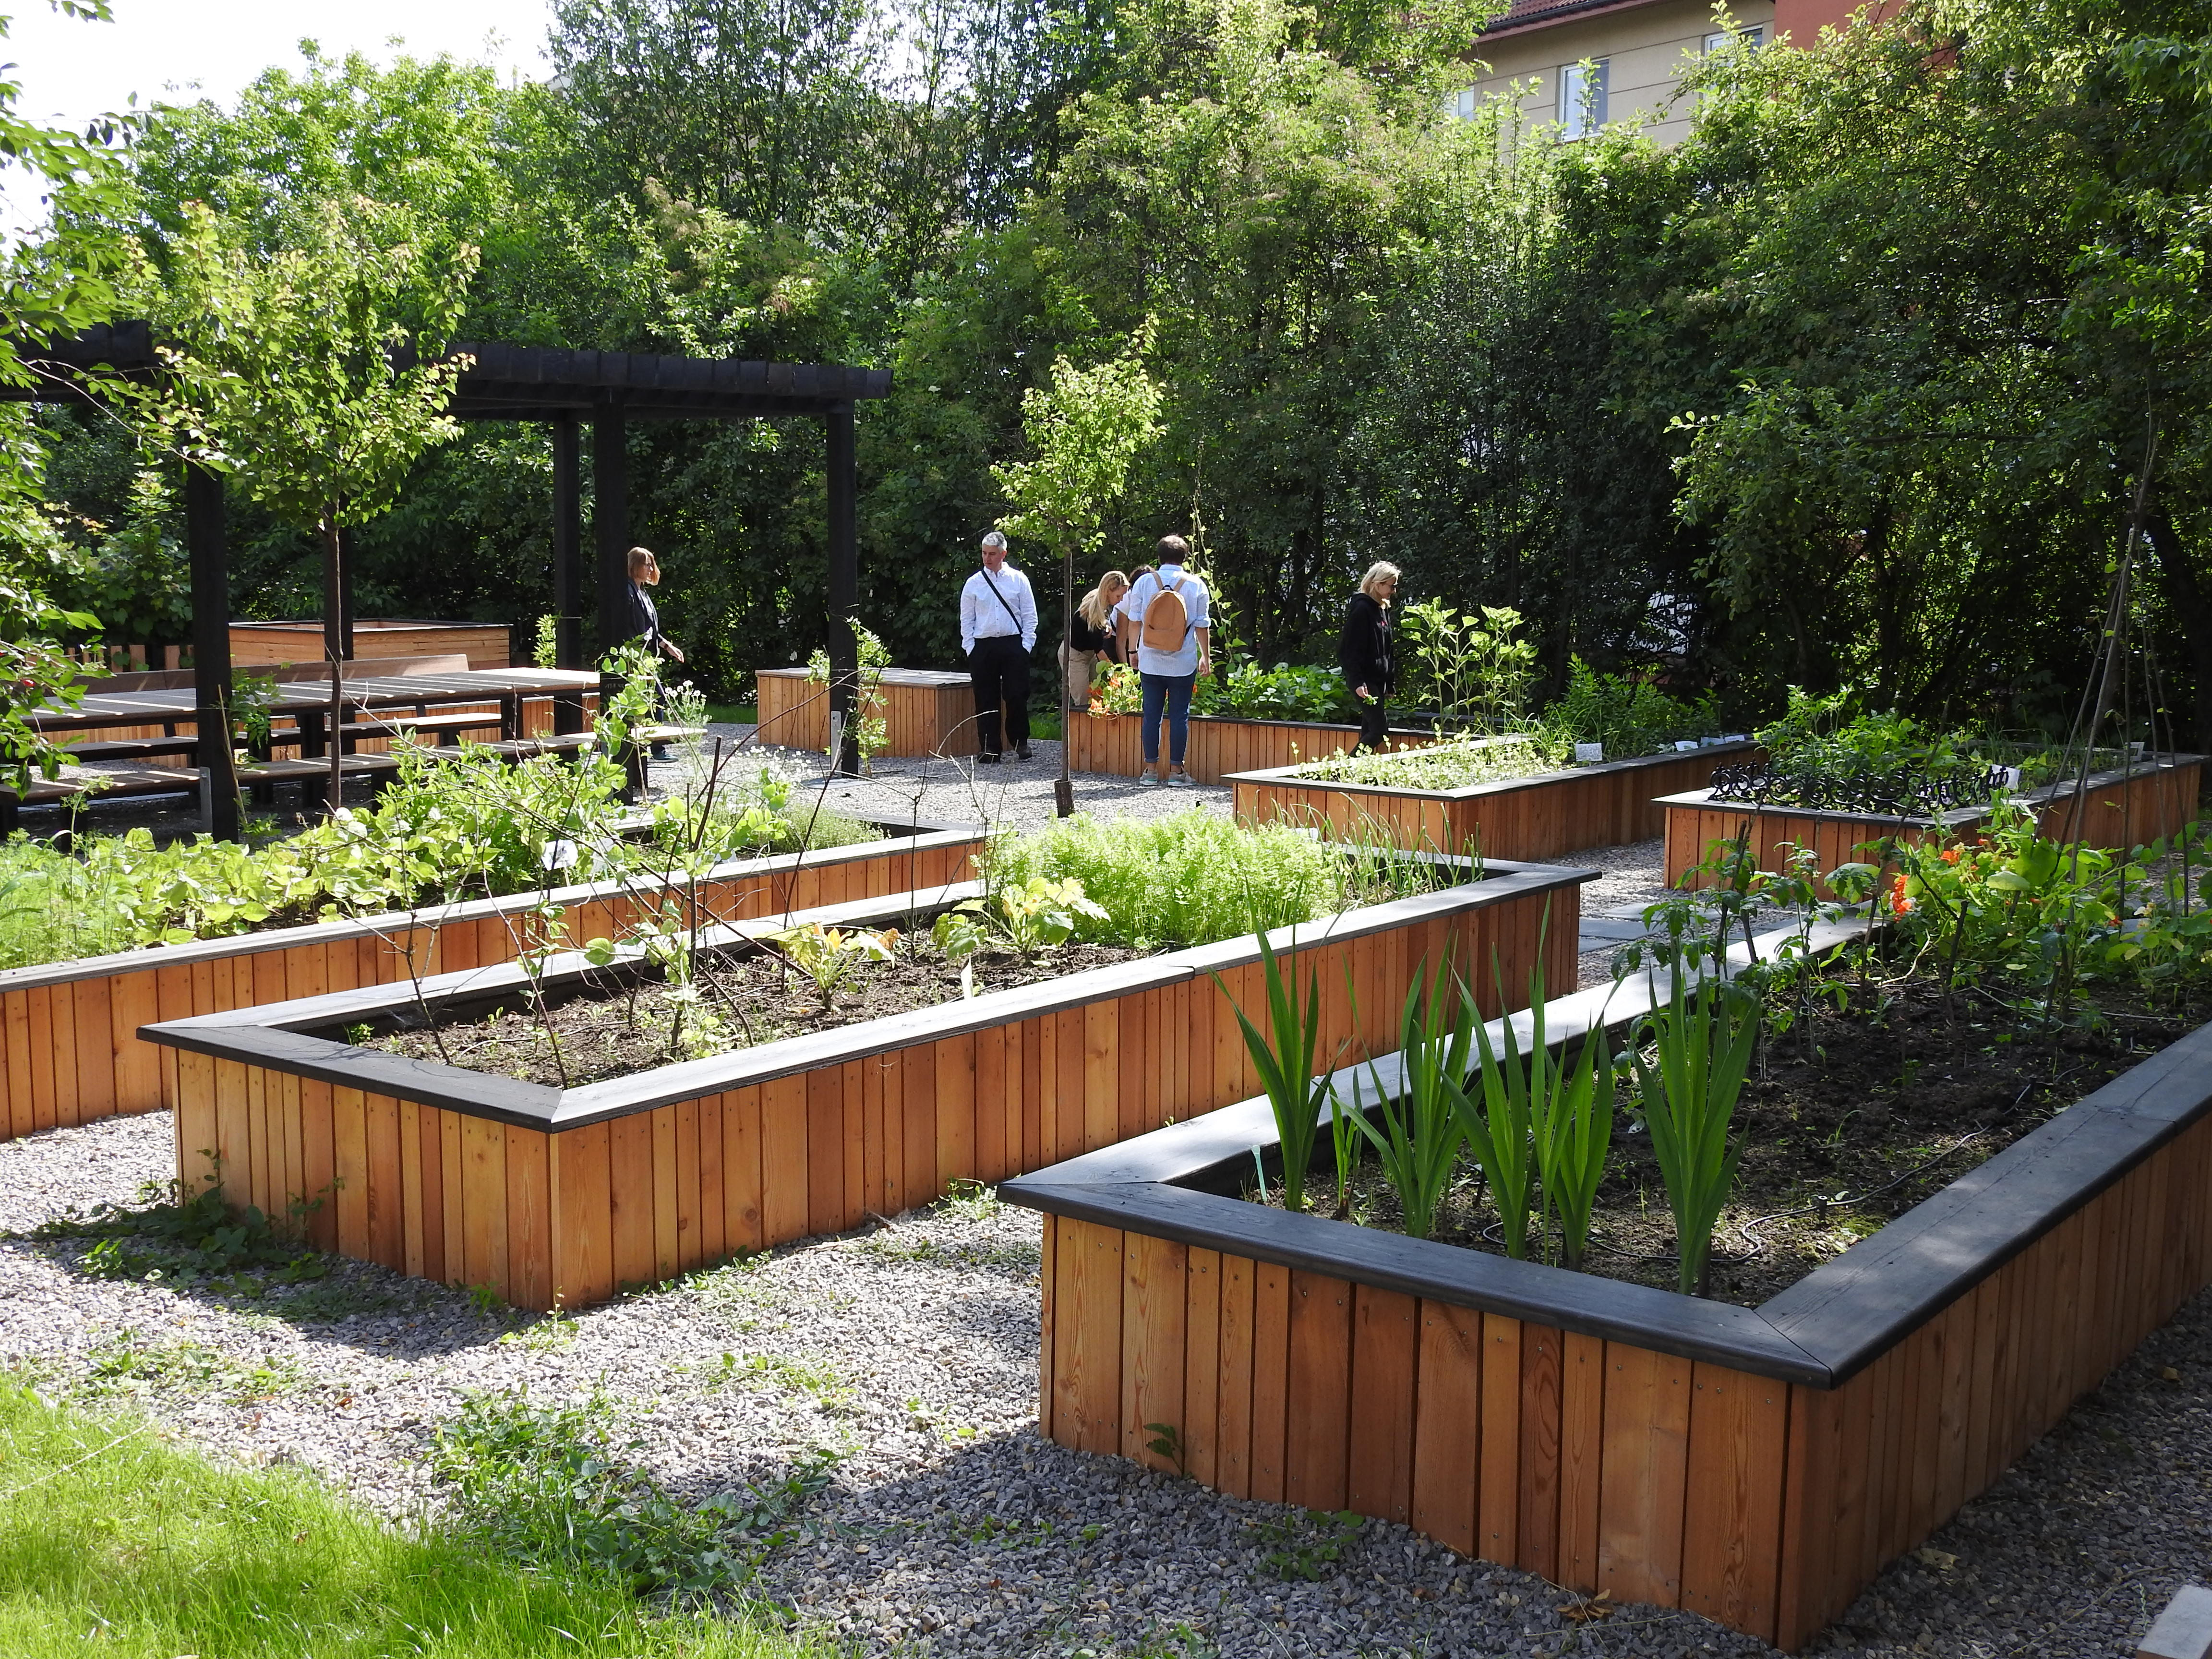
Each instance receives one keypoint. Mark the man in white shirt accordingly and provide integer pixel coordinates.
(998, 631)
(1168, 676)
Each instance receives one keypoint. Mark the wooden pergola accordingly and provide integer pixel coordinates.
(563, 388)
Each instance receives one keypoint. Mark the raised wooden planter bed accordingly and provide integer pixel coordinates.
(68, 1047)
(1219, 744)
(1545, 817)
(549, 1194)
(927, 711)
(1757, 1467)
(2119, 811)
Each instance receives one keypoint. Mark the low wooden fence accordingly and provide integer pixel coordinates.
(1115, 743)
(1609, 804)
(486, 645)
(547, 1194)
(71, 1053)
(2117, 810)
(1757, 1467)
(926, 711)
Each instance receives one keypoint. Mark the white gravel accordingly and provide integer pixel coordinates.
(950, 1528)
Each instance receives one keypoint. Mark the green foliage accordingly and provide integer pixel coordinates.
(1084, 429)
(1425, 1119)
(1626, 713)
(105, 1525)
(1030, 916)
(1285, 1058)
(546, 642)
(1472, 670)
(1285, 692)
(1704, 1041)
(190, 1239)
(1447, 765)
(873, 734)
(828, 956)
(556, 1487)
(1193, 879)
(1306, 1543)
(1570, 1123)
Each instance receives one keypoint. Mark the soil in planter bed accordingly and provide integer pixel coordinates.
(754, 999)
(1875, 1113)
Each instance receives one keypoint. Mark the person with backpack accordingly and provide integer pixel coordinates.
(1166, 611)
(1363, 651)
(998, 631)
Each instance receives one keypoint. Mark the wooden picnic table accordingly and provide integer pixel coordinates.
(308, 702)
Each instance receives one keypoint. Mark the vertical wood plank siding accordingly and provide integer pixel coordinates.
(1542, 818)
(586, 1211)
(922, 713)
(69, 1038)
(1762, 1504)
(2123, 813)
(1114, 745)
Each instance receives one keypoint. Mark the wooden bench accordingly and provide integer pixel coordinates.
(264, 776)
(120, 748)
(449, 728)
(75, 785)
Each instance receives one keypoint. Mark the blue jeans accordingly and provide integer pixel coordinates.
(1172, 693)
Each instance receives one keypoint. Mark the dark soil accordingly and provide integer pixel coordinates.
(747, 1000)
(1856, 1117)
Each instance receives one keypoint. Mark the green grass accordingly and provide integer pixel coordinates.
(734, 713)
(113, 1543)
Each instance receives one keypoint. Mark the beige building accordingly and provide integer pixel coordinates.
(1580, 63)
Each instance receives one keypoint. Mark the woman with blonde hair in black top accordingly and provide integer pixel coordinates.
(1364, 652)
(1091, 636)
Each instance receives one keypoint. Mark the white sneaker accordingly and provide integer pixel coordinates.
(1148, 781)
(1179, 778)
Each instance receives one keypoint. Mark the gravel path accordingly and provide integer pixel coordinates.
(950, 1528)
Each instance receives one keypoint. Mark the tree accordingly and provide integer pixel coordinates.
(52, 288)
(316, 374)
(1084, 429)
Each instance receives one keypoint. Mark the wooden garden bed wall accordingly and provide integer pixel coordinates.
(2122, 813)
(486, 645)
(1115, 743)
(1602, 1465)
(71, 1053)
(577, 1213)
(924, 712)
(1544, 818)
(1877, 1465)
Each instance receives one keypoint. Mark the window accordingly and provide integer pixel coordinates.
(1462, 104)
(1582, 98)
(1752, 38)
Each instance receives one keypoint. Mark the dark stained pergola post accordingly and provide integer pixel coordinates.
(610, 531)
(844, 585)
(568, 565)
(204, 539)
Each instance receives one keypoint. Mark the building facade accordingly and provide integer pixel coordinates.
(1581, 63)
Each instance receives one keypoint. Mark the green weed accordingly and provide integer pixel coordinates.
(200, 1239)
(1304, 1543)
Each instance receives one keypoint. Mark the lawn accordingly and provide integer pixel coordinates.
(109, 1536)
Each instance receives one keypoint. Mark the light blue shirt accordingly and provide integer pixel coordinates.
(983, 617)
(1191, 591)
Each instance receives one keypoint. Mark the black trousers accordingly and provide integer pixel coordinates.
(999, 670)
(1374, 724)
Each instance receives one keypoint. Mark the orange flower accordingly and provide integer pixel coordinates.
(1899, 903)
(1950, 855)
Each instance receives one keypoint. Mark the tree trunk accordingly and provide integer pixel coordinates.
(333, 597)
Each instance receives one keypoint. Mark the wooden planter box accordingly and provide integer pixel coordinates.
(2119, 811)
(69, 1049)
(1757, 1467)
(549, 1195)
(484, 644)
(1545, 817)
(1219, 744)
(926, 711)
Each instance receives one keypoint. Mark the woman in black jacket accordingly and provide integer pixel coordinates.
(1363, 651)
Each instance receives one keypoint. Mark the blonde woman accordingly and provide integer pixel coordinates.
(1363, 651)
(1091, 636)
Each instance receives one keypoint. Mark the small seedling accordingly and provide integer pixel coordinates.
(1169, 1445)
